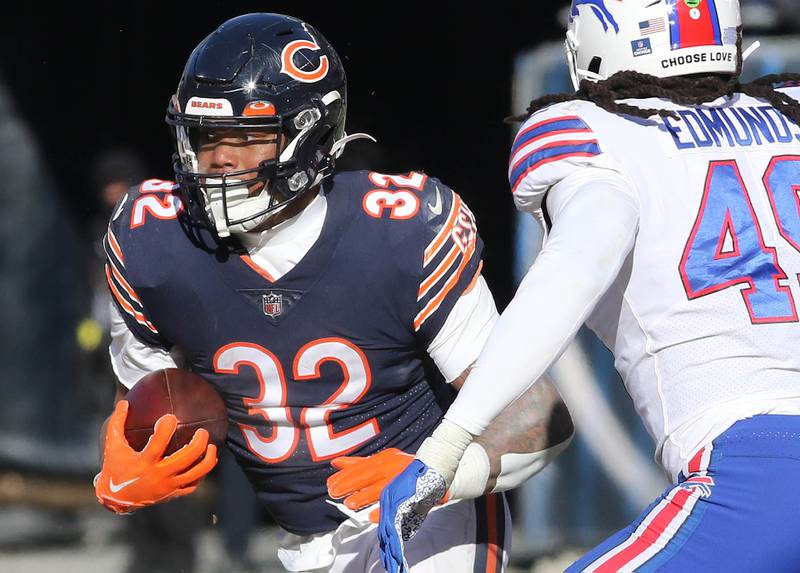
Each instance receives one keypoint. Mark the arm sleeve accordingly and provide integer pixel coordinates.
(460, 340)
(595, 216)
(131, 359)
(475, 468)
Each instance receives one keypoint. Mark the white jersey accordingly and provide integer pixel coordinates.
(702, 319)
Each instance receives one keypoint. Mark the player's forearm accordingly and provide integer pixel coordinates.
(537, 422)
(525, 437)
(581, 259)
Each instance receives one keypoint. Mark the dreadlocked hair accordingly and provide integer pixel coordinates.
(682, 90)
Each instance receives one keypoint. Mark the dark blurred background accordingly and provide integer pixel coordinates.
(83, 95)
(432, 86)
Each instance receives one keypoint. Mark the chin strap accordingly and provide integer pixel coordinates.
(338, 146)
(751, 50)
(336, 150)
(587, 75)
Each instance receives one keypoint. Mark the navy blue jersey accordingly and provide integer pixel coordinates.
(327, 360)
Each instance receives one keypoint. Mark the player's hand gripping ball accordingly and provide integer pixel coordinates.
(157, 441)
(192, 400)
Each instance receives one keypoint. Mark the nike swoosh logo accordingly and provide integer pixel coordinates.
(436, 208)
(117, 488)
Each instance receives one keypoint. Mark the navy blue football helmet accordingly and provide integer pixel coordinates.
(259, 71)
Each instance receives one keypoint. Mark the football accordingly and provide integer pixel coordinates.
(193, 401)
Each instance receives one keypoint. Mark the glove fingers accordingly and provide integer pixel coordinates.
(189, 454)
(375, 515)
(365, 475)
(396, 551)
(357, 473)
(384, 551)
(116, 423)
(335, 490)
(162, 434)
(345, 461)
(364, 497)
(338, 485)
(121, 508)
(201, 469)
(385, 537)
(185, 490)
(351, 479)
(343, 483)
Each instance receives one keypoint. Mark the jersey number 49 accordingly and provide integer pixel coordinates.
(726, 246)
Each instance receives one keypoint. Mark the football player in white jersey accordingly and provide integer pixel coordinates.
(669, 194)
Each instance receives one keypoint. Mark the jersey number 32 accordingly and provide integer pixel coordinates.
(269, 407)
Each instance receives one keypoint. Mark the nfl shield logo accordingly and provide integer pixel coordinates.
(272, 304)
(641, 47)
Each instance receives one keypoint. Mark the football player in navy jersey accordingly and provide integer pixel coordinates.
(315, 303)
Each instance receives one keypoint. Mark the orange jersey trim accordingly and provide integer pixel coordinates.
(126, 306)
(474, 280)
(112, 240)
(439, 272)
(449, 285)
(261, 271)
(123, 283)
(439, 240)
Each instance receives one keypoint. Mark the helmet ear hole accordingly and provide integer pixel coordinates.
(595, 64)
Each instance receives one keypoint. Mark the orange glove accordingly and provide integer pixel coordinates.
(360, 479)
(130, 480)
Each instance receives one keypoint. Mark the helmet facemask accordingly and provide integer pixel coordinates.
(228, 199)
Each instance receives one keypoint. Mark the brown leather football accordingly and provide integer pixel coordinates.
(193, 401)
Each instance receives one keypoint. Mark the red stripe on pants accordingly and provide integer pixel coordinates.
(650, 535)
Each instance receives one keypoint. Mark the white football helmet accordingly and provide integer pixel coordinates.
(662, 38)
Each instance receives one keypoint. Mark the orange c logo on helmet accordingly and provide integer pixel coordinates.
(288, 67)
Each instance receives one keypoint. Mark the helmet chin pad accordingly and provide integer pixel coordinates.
(230, 206)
